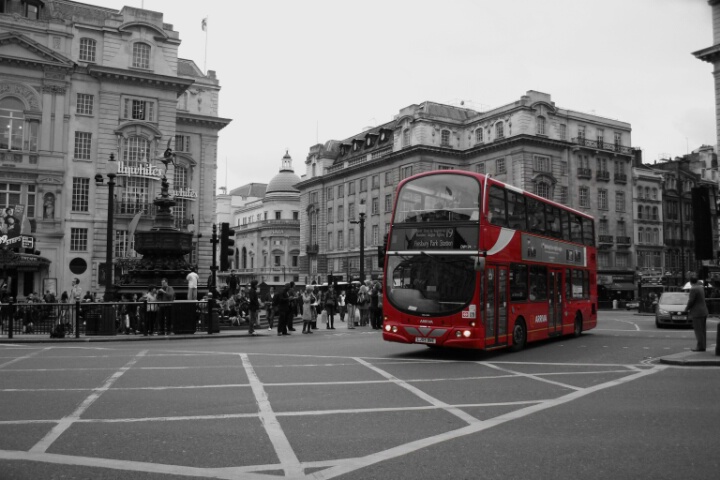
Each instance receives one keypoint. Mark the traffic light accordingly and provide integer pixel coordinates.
(381, 252)
(227, 243)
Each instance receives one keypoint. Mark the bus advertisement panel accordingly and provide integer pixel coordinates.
(475, 263)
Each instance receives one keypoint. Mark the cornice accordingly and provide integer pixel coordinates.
(135, 76)
(217, 123)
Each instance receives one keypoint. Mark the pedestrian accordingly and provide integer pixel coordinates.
(315, 306)
(232, 282)
(294, 298)
(283, 310)
(307, 300)
(166, 294)
(341, 305)
(330, 300)
(270, 307)
(698, 312)
(192, 279)
(76, 292)
(363, 303)
(351, 300)
(374, 307)
(150, 311)
(253, 307)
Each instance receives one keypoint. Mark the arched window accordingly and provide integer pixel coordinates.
(16, 133)
(499, 130)
(141, 55)
(445, 138)
(640, 192)
(540, 125)
(479, 135)
(88, 48)
(647, 213)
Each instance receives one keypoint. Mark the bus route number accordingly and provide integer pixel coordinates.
(540, 318)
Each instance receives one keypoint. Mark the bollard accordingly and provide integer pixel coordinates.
(77, 318)
(615, 304)
(11, 317)
(210, 310)
(146, 317)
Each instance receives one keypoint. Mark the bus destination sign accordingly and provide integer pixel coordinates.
(434, 238)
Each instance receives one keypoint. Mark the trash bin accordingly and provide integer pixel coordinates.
(615, 304)
(184, 317)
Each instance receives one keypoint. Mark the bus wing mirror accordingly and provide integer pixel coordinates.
(479, 264)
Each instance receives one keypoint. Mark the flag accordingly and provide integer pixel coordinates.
(204, 24)
(134, 223)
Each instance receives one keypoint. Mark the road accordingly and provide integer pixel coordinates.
(345, 404)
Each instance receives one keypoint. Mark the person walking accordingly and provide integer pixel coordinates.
(232, 282)
(363, 303)
(150, 311)
(351, 301)
(270, 307)
(166, 294)
(330, 300)
(698, 312)
(307, 313)
(283, 310)
(341, 305)
(192, 279)
(253, 307)
(374, 307)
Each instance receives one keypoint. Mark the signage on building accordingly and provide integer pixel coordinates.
(23, 241)
(185, 193)
(144, 170)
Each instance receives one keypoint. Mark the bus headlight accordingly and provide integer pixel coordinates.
(394, 329)
(472, 324)
(458, 333)
(387, 328)
(466, 334)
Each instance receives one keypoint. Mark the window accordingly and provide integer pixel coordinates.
(375, 235)
(16, 133)
(136, 109)
(277, 259)
(619, 201)
(406, 172)
(584, 195)
(83, 142)
(329, 214)
(141, 55)
(542, 189)
(341, 190)
(621, 228)
(9, 194)
(562, 133)
(329, 241)
(479, 135)
(351, 238)
(341, 240)
(480, 168)
(31, 201)
(619, 167)
(294, 260)
(329, 193)
(564, 195)
(618, 139)
(516, 210)
(600, 136)
(500, 166)
(538, 283)
(563, 168)
(375, 181)
(542, 164)
(540, 125)
(278, 215)
(351, 211)
(581, 132)
(124, 245)
(499, 130)
(182, 143)
(602, 199)
(88, 47)
(340, 213)
(31, 9)
(78, 239)
(388, 178)
(536, 215)
(622, 260)
(351, 188)
(388, 203)
(602, 165)
(604, 227)
(313, 197)
(497, 206)
(363, 184)
(518, 282)
(80, 194)
(406, 138)
(84, 104)
(445, 138)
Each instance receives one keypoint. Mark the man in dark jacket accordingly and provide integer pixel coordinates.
(698, 312)
(283, 309)
(253, 307)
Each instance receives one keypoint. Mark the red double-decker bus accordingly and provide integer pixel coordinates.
(472, 262)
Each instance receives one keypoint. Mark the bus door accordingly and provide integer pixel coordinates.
(496, 305)
(555, 303)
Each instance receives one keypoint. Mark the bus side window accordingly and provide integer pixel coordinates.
(538, 283)
(568, 284)
(497, 211)
(588, 232)
(518, 282)
(576, 229)
(516, 211)
(552, 221)
(536, 216)
(565, 224)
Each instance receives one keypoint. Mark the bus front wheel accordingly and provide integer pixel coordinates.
(519, 335)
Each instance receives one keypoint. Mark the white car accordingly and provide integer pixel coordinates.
(671, 310)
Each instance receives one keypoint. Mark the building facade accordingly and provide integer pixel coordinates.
(80, 85)
(267, 229)
(578, 159)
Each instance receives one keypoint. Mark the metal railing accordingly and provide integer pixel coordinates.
(111, 318)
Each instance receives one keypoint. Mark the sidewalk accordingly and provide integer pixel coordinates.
(236, 332)
(693, 359)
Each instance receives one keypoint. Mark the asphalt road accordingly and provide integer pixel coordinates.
(345, 404)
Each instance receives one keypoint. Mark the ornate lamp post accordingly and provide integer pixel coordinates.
(361, 222)
(112, 168)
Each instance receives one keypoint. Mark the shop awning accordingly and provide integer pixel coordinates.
(622, 286)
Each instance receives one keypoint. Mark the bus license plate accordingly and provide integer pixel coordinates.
(424, 340)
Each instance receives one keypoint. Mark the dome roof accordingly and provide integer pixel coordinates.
(284, 182)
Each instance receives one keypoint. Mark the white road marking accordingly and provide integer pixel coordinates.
(283, 449)
(65, 423)
(20, 359)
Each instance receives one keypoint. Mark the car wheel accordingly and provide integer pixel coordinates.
(519, 335)
(657, 323)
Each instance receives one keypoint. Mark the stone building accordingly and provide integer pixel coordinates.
(267, 230)
(579, 159)
(79, 83)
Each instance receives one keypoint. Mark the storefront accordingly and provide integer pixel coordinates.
(616, 286)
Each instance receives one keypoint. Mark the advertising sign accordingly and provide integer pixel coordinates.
(546, 250)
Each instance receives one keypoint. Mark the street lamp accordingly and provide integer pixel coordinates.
(112, 168)
(361, 222)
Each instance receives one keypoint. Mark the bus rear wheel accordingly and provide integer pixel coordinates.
(519, 335)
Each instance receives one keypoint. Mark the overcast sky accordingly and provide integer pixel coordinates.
(299, 72)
